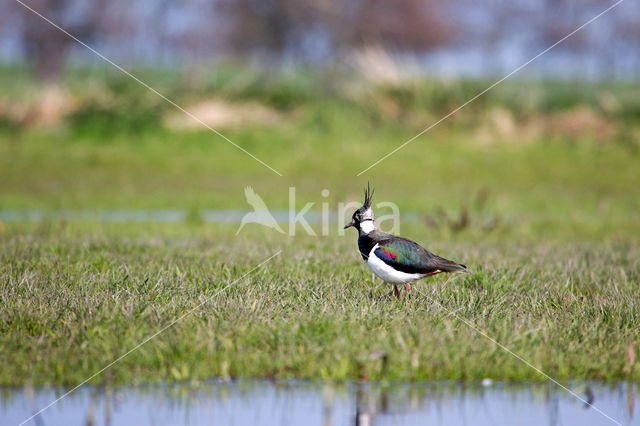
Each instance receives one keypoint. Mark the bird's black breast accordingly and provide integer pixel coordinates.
(365, 244)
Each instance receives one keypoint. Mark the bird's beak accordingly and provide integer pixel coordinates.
(349, 225)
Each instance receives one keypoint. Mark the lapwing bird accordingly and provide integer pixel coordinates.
(394, 259)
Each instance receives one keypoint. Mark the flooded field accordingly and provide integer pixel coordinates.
(313, 403)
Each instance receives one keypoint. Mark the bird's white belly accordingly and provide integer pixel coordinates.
(386, 272)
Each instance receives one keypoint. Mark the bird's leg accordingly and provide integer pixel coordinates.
(407, 288)
(396, 292)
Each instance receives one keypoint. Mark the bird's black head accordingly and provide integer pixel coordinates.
(364, 213)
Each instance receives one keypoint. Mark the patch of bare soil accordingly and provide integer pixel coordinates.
(222, 114)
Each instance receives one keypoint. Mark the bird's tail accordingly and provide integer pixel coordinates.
(446, 265)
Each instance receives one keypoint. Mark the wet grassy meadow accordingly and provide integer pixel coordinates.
(534, 187)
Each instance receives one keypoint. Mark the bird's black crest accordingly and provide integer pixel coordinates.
(368, 196)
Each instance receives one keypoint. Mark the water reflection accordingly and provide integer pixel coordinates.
(313, 403)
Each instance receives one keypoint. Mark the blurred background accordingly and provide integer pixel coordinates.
(459, 38)
(319, 90)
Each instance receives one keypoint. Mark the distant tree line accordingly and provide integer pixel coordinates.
(316, 30)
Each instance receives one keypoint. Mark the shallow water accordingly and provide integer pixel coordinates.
(311, 403)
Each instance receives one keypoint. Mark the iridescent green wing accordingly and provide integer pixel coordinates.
(405, 256)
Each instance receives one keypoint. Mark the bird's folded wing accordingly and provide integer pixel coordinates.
(405, 256)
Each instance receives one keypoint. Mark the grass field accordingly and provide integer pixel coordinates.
(551, 234)
(76, 297)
